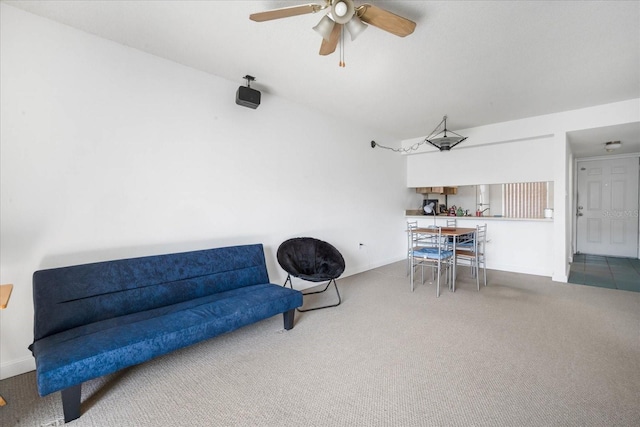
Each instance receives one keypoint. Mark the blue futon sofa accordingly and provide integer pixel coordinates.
(95, 319)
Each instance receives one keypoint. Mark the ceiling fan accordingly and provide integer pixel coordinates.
(344, 13)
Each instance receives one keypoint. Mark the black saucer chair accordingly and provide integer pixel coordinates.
(312, 260)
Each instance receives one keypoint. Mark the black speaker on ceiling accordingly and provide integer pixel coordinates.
(246, 96)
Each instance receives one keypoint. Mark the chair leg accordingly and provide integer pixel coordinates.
(477, 266)
(319, 292)
(438, 283)
(412, 271)
(484, 270)
(288, 280)
(408, 264)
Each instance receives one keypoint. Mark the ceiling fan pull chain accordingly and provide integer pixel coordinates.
(342, 64)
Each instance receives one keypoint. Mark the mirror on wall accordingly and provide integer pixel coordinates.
(510, 200)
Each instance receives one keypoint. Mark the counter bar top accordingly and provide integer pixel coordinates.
(478, 218)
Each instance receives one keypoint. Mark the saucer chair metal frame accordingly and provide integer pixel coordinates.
(311, 260)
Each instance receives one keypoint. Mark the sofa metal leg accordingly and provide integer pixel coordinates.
(71, 402)
(288, 318)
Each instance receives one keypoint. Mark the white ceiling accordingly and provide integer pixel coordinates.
(479, 62)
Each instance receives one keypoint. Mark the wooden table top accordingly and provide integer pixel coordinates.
(446, 231)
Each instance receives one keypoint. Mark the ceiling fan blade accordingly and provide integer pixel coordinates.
(385, 20)
(286, 12)
(328, 47)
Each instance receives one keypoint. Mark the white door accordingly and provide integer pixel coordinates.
(607, 207)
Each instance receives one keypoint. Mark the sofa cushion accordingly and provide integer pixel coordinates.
(89, 351)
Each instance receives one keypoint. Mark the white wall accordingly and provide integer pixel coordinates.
(107, 152)
(532, 149)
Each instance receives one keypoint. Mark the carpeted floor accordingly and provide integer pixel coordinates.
(524, 351)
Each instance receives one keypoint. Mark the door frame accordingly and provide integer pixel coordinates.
(574, 199)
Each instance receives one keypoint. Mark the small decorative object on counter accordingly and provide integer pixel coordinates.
(459, 212)
(452, 210)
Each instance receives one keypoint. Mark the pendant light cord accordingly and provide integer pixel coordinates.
(414, 146)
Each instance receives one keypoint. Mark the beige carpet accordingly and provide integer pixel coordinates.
(523, 351)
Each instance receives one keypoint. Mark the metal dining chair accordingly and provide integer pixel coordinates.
(475, 256)
(415, 241)
(438, 257)
(463, 242)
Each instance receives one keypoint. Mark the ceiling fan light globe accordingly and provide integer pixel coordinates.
(355, 27)
(324, 27)
(342, 11)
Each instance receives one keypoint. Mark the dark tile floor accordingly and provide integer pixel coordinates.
(605, 272)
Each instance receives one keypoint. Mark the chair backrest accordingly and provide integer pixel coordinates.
(416, 240)
(451, 222)
(411, 238)
(310, 259)
(440, 245)
(481, 238)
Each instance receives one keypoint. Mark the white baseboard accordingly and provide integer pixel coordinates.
(17, 367)
(301, 285)
(522, 269)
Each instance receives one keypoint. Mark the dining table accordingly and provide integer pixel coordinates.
(458, 235)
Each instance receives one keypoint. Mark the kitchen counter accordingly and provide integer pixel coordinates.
(506, 237)
(479, 218)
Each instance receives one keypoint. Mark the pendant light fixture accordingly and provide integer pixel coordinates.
(444, 142)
